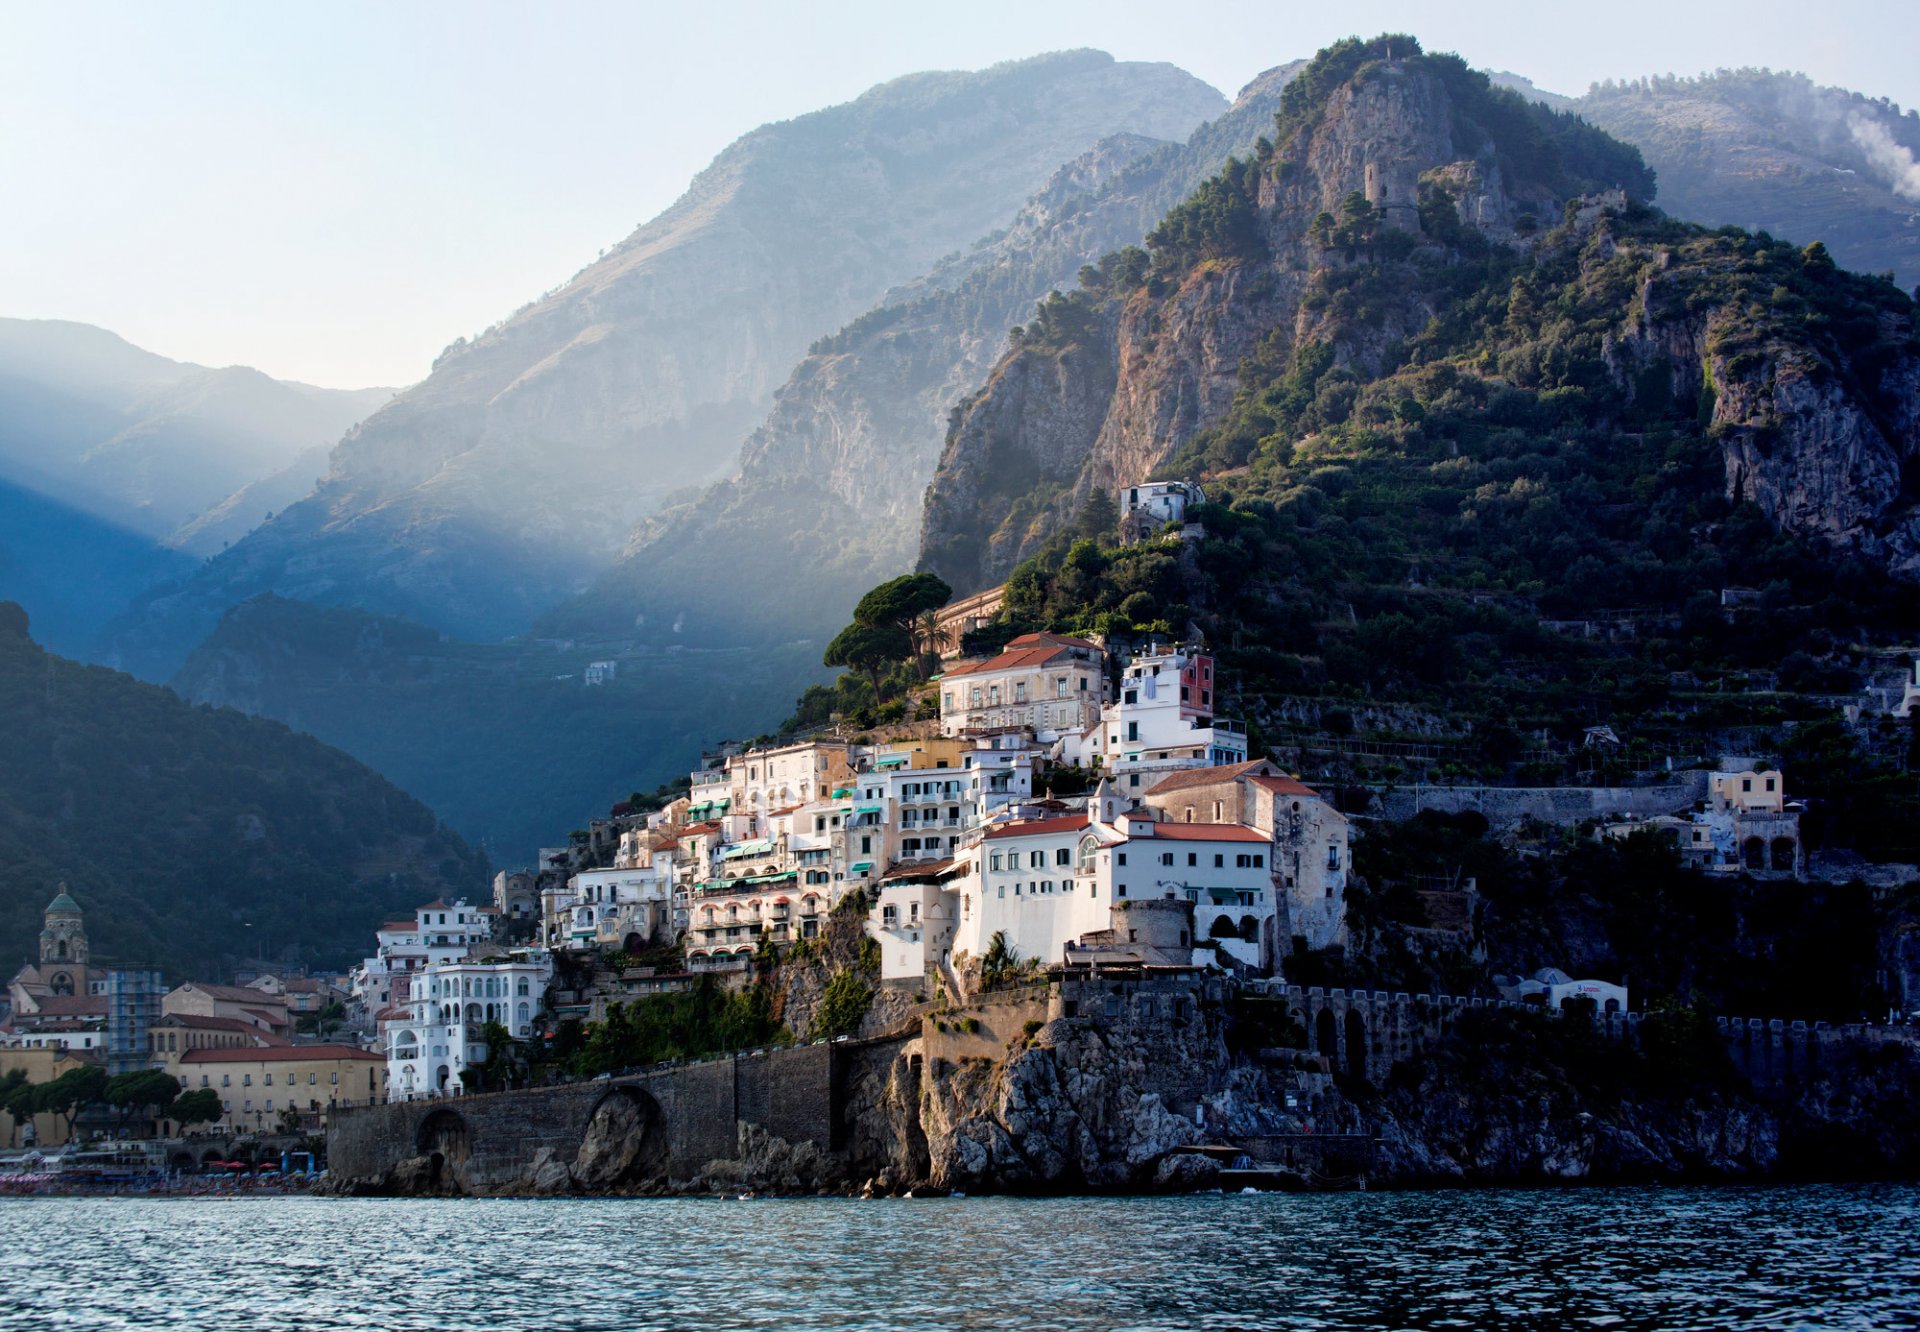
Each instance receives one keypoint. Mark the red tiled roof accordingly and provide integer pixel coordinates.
(711, 825)
(194, 1022)
(1009, 661)
(437, 904)
(1285, 786)
(1039, 827)
(281, 1054)
(70, 1005)
(235, 994)
(1206, 832)
(268, 1018)
(1226, 772)
(408, 924)
(1044, 639)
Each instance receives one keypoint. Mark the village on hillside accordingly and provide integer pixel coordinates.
(1076, 805)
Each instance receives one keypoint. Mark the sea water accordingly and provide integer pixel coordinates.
(1613, 1258)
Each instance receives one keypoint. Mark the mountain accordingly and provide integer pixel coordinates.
(195, 836)
(1778, 153)
(114, 461)
(506, 740)
(517, 469)
(829, 487)
(147, 443)
(1493, 452)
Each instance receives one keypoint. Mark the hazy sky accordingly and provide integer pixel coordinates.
(333, 192)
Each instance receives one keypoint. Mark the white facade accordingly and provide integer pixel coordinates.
(1159, 502)
(1553, 987)
(442, 1033)
(608, 906)
(1163, 721)
(438, 933)
(914, 924)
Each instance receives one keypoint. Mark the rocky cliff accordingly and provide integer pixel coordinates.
(1293, 305)
(829, 487)
(483, 494)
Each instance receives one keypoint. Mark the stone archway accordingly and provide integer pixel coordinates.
(1327, 1034)
(1356, 1044)
(446, 1142)
(625, 1141)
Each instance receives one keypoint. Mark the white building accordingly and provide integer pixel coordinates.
(1151, 505)
(621, 908)
(442, 1034)
(1048, 883)
(601, 672)
(1162, 722)
(438, 932)
(1553, 987)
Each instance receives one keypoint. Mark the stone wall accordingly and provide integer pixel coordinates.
(674, 1124)
(1508, 806)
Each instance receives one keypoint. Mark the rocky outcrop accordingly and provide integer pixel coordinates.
(1166, 362)
(519, 466)
(1813, 404)
(1809, 449)
(831, 484)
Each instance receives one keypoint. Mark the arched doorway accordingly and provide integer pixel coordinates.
(1755, 851)
(446, 1141)
(1327, 1034)
(1783, 857)
(1356, 1044)
(625, 1141)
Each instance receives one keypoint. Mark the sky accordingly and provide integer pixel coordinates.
(334, 192)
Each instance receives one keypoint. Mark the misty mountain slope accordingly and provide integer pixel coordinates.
(91, 420)
(1778, 153)
(505, 742)
(72, 570)
(829, 488)
(195, 836)
(113, 461)
(518, 468)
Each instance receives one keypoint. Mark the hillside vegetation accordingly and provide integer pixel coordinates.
(195, 836)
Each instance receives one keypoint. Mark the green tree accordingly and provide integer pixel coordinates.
(143, 1089)
(999, 961)
(199, 1106)
(72, 1092)
(16, 1098)
(842, 1007)
(869, 649)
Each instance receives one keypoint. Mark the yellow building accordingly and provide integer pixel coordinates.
(40, 1065)
(257, 1087)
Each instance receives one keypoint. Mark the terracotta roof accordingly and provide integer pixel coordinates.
(776, 813)
(281, 1054)
(1039, 827)
(1226, 772)
(1207, 832)
(937, 869)
(437, 904)
(233, 994)
(1043, 639)
(266, 1017)
(194, 1022)
(1285, 786)
(70, 1005)
(1010, 660)
(408, 924)
(711, 825)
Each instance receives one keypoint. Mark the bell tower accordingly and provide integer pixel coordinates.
(63, 938)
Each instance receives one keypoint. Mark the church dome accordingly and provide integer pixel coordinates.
(63, 903)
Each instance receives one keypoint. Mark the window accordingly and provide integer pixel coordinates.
(1333, 857)
(1770, 782)
(1746, 783)
(1133, 730)
(1120, 857)
(1166, 857)
(1062, 856)
(1193, 858)
(1219, 860)
(994, 860)
(1036, 859)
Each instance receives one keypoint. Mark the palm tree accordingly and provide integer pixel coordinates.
(1000, 958)
(931, 638)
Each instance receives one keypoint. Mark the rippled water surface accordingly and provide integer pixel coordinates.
(1825, 1257)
